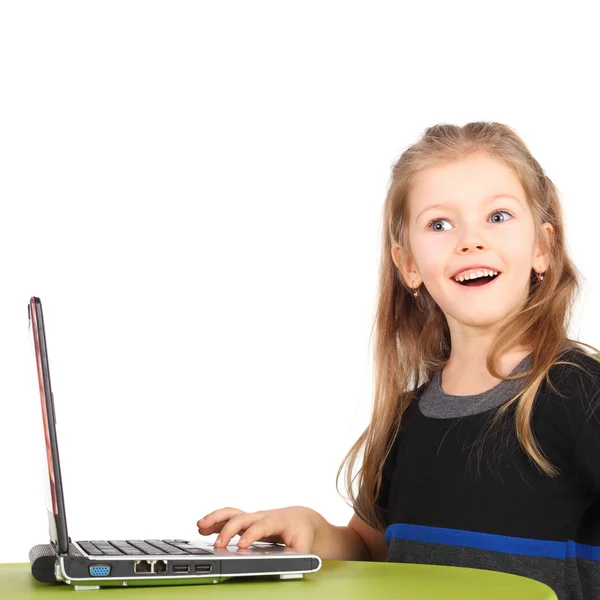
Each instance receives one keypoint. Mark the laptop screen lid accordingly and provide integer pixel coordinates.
(57, 519)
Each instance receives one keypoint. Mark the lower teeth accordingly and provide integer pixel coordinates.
(478, 281)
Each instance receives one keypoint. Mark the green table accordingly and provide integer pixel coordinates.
(336, 579)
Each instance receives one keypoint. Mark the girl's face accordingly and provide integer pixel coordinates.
(483, 219)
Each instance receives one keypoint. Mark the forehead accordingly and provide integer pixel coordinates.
(469, 180)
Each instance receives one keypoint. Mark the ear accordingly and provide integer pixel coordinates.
(406, 265)
(542, 257)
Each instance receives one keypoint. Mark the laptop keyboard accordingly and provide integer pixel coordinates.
(137, 547)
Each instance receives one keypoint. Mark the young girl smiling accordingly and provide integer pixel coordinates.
(483, 449)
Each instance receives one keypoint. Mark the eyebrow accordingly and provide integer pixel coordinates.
(489, 199)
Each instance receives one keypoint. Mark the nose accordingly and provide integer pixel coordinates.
(466, 249)
(471, 240)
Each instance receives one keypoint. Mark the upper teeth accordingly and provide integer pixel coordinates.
(474, 273)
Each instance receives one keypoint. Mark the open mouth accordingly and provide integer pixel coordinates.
(478, 282)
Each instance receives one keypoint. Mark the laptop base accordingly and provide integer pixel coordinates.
(48, 567)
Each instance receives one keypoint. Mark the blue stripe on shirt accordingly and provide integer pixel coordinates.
(491, 541)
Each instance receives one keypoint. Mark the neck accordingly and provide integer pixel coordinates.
(466, 372)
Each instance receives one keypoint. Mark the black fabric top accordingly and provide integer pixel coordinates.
(437, 497)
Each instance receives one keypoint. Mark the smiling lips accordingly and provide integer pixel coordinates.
(475, 281)
(474, 273)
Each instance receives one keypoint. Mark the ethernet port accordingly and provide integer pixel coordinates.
(160, 566)
(142, 566)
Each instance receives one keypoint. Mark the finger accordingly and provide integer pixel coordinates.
(269, 529)
(216, 528)
(270, 539)
(235, 525)
(263, 530)
(218, 516)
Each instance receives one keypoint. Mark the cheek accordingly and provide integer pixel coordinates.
(517, 249)
(432, 255)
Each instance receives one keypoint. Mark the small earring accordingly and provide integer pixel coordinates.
(539, 276)
(415, 292)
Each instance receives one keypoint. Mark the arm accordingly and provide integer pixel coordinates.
(357, 541)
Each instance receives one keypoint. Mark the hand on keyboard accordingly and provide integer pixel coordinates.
(297, 527)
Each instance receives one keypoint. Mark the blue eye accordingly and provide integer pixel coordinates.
(436, 221)
(496, 212)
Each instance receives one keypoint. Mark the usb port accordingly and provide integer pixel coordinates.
(203, 568)
(181, 568)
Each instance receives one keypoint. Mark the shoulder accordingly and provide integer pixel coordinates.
(574, 372)
(571, 389)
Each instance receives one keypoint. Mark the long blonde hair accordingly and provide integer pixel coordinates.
(412, 336)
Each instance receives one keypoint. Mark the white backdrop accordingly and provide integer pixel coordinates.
(194, 189)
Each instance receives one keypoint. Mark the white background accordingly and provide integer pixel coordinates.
(194, 189)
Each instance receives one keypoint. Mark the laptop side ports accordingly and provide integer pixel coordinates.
(100, 570)
(160, 566)
(142, 566)
(181, 568)
(206, 568)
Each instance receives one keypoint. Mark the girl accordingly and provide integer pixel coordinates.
(483, 449)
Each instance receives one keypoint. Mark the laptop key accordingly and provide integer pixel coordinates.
(124, 547)
(187, 547)
(178, 543)
(168, 548)
(118, 543)
(197, 550)
(99, 548)
(144, 547)
(89, 548)
(102, 545)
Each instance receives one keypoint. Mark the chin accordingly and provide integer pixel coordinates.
(479, 318)
(483, 323)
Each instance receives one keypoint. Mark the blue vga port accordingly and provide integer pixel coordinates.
(99, 570)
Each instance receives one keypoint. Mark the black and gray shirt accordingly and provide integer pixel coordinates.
(447, 498)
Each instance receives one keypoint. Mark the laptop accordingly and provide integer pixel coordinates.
(91, 564)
